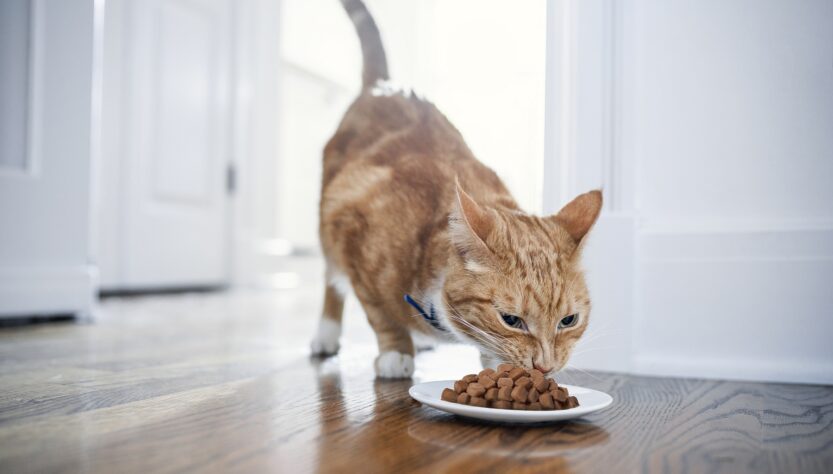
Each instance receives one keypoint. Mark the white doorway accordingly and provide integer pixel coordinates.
(167, 117)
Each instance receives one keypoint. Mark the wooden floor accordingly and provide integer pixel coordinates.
(223, 382)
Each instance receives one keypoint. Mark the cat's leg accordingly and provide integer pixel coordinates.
(329, 327)
(396, 348)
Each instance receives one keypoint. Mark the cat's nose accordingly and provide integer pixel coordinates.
(545, 370)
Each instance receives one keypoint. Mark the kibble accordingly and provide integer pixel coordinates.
(505, 367)
(449, 395)
(510, 388)
(487, 372)
(546, 401)
(486, 381)
(475, 389)
(516, 373)
(479, 402)
(519, 394)
(491, 394)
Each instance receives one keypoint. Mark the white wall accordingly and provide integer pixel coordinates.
(479, 62)
(714, 121)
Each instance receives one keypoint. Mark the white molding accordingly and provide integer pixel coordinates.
(583, 110)
(775, 369)
(726, 225)
(256, 104)
(27, 291)
(556, 109)
(34, 112)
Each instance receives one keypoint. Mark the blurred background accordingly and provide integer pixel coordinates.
(153, 146)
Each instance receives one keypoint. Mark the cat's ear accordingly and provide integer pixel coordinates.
(470, 226)
(579, 215)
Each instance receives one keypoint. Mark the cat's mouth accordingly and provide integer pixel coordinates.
(543, 369)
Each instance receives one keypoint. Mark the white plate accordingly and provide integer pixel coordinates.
(589, 400)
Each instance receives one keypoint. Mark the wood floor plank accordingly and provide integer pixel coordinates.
(223, 383)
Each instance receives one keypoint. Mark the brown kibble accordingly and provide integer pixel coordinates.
(519, 394)
(449, 395)
(572, 402)
(546, 401)
(510, 388)
(486, 381)
(516, 373)
(478, 402)
(504, 367)
(524, 382)
(470, 378)
(540, 384)
(475, 389)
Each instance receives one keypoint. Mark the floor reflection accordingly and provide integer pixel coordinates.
(502, 440)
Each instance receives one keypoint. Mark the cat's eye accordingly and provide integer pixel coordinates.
(513, 321)
(568, 321)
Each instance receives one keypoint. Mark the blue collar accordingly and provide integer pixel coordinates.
(429, 317)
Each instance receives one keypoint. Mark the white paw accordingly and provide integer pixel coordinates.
(326, 341)
(394, 365)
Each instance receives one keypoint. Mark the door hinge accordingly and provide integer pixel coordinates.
(231, 179)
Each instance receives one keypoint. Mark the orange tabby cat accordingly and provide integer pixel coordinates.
(431, 241)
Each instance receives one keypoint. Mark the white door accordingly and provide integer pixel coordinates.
(47, 79)
(166, 143)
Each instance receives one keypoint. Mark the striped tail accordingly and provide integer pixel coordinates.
(373, 53)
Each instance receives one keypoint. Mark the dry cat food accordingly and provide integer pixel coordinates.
(510, 388)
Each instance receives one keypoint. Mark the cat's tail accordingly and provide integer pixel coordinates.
(373, 53)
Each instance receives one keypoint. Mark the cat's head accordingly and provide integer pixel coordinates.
(518, 290)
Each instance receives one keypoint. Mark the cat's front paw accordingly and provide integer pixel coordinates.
(325, 342)
(394, 365)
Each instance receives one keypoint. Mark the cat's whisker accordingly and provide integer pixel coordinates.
(491, 338)
(487, 340)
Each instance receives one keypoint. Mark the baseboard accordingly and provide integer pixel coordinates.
(747, 303)
(782, 369)
(47, 290)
